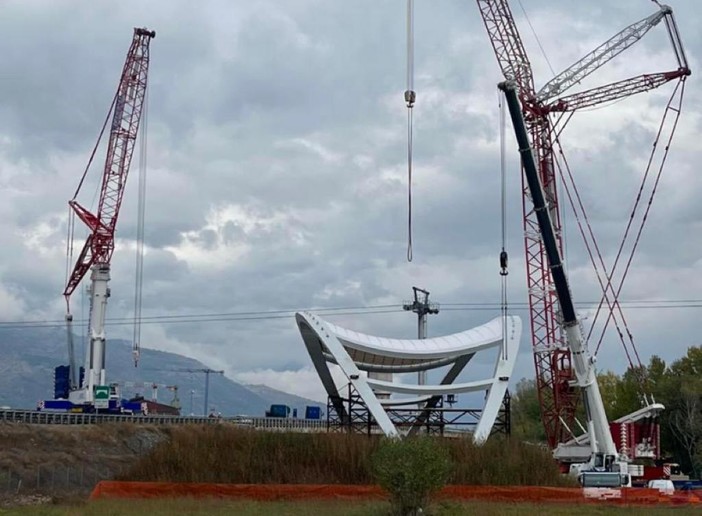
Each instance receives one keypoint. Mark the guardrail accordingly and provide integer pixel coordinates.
(36, 417)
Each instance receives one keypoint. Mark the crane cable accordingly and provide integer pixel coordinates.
(675, 106)
(410, 97)
(97, 144)
(592, 248)
(536, 37)
(503, 210)
(141, 208)
(70, 235)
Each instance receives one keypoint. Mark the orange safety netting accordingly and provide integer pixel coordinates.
(268, 492)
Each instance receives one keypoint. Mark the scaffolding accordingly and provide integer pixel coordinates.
(438, 417)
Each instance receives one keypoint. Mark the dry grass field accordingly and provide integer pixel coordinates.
(341, 508)
(227, 454)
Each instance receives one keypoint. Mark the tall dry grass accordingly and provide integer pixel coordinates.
(226, 454)
(503, 461)
(222, 453)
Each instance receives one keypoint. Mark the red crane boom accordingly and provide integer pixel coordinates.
(127, 106)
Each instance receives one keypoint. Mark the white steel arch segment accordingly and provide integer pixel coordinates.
(355, 352)
(345, 362)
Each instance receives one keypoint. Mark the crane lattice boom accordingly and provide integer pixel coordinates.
(598, 57)
(614, 91)
(509, 49)
(127, 108)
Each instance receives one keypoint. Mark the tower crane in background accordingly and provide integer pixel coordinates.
(545, 114)
(207, 371)
(97, 251)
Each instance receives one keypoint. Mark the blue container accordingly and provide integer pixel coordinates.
(61, 382)
(313, 412)
(278, 411)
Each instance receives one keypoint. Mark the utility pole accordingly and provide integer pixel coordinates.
(422, 307)
(207, 372)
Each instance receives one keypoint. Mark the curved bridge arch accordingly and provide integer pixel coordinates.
(358, 353)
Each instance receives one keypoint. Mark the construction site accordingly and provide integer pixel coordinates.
(275, 241)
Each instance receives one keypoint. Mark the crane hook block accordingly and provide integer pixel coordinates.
(503, 263)
(410, 97)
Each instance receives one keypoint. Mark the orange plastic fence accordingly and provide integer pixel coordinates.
(267, 492)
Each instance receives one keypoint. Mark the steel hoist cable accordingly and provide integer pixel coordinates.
(141, 211)
(410, 97)
(675, 106)
(503, 213)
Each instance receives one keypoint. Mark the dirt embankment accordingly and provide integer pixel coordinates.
(51, 458)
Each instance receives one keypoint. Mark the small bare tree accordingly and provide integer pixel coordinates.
(686, 421)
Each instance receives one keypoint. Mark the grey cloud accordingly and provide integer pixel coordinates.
(293, 113)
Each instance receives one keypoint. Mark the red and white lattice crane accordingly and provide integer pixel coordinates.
(546, 112)
(97, 251)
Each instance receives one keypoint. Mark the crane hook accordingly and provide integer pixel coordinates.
(410, 97)
(503, 263)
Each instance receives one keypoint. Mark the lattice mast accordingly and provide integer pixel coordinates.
(97, 251)
(552, 358)
(421, 306)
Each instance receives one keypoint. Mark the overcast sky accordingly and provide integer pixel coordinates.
(277, 169)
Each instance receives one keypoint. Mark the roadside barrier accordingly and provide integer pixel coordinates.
(37, 417)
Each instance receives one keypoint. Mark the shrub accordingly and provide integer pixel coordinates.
(411, 470)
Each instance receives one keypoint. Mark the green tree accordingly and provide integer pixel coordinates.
(609, 384)
(526, 412)
(411, 470)
(656, 372)
(679, 388)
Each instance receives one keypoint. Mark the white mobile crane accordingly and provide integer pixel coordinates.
(87, 390)
(604, 462)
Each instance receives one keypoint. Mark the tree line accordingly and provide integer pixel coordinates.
(678, 386)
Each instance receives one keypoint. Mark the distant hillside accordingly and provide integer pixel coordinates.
(30, 355)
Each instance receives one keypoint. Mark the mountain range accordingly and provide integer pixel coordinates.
(30, 354)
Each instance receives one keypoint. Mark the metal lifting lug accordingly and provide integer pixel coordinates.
(410, 97)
